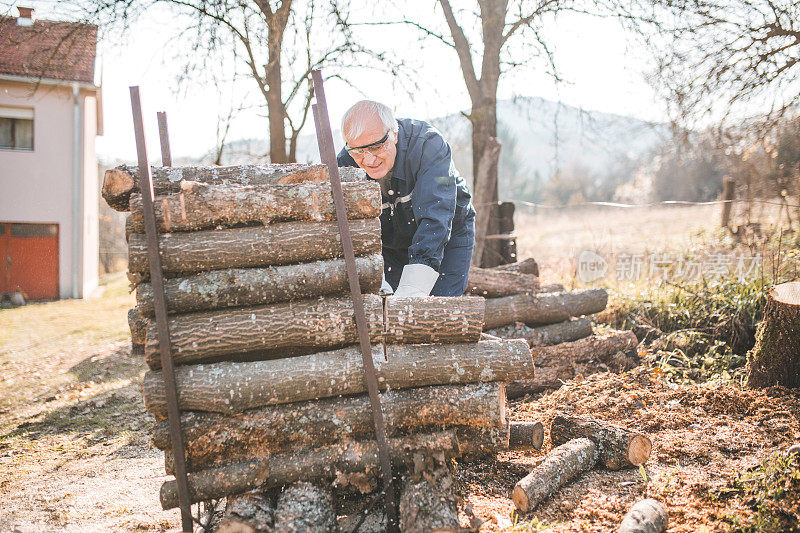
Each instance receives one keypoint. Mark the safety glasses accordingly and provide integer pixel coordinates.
(374, 148)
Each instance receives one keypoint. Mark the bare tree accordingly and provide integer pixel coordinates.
(719, 59)
(276, 43)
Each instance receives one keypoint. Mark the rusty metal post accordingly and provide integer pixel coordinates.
(157, 281)
(163, 135)
(328, 156)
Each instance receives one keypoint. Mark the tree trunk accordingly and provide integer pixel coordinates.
(566, 331)
(302, 465)
(429, 505)
(485, 193)
(775, 359)
(561, 362)
(276, 244)
(305, 508)
(138, 325)
(270, 429)
(120, 182)
(646, 516)
(203, 206)
(321, 324)
(560, 466)
(619, 448)
(541, 309)
(231, 387)
(526, 435)
(251, 512)
(245, 287)
(491, 283)
(526, 266)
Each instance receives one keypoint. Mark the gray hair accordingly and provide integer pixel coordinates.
(355, 119)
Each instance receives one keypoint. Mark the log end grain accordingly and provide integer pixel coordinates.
(639, 450)
(117, 186)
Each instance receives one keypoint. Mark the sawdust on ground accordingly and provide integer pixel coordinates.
(703, 435)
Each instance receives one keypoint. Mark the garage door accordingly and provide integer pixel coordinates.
(29, 260)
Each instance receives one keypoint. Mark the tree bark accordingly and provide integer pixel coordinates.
(561, 362)
(560, 466)
(775, 358)
(526, 435)
(277, 244)
(526, 266)
(138, 325)
(245, 287)
(485, 191)
(491, 283)
(231, 387)
(433, 319)
(251, 512)
(202, 206)
(429, 505)
(569, 330)
(646, 516)
(275, 428)
(302, 465)
(120, 182)
(618, 447)
(321, 324)
(305, 508)
(548, 308)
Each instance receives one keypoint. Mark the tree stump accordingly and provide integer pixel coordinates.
(775, 359)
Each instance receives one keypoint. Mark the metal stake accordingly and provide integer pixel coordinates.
(157, 281)
(163, 135)
(328, 156)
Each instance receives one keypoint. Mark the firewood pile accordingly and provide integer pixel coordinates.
(553, 321)
(270, 387)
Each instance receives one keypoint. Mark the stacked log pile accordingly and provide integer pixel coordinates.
(270, 385)
(553, 321)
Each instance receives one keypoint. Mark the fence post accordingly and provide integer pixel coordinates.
(728, 189)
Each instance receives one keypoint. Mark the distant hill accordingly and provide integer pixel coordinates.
(541, 140)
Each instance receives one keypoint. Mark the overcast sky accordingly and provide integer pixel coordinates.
(601, 65)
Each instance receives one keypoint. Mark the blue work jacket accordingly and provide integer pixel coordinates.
(428, 200)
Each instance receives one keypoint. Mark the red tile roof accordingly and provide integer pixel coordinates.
(48, 49)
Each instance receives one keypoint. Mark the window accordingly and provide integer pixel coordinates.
(16, 128)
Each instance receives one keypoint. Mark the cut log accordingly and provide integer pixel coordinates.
(138, 325)
(526, 266)
(120, 182)
(433, 319)
(561, 362)
(552, 287)
(429, 505)
(775, 358)
(566, 331)
(525, 435)
(202, 206)
(618, 447)
(492, 282)
(302, 465)
(560, 466)
(231, 387)
(260, 431)
(305, 508)
(278, 244)
(245, 287)
(475, 443)
(540, 309)
(321, 324)
(646, 516)
(218, 482)
(251, 512)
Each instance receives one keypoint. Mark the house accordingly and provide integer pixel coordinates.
(50, 113)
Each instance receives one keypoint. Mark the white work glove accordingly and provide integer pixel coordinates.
(386, 289)
(416, 281)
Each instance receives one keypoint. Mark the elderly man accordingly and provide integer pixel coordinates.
(427, 223)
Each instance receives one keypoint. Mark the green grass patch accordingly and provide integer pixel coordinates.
(771, 491)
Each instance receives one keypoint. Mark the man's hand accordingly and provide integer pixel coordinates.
(416, 281)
